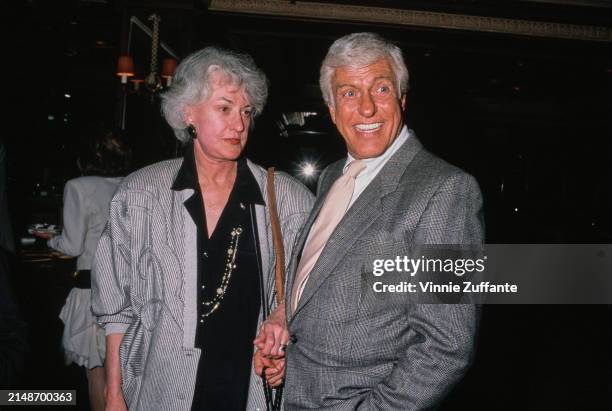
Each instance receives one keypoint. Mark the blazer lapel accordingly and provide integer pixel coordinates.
(359, 217)
(190, 274)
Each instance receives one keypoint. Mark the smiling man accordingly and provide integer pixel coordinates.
(348, 348)
(367, 106)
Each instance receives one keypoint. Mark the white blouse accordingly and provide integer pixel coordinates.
(86, 208)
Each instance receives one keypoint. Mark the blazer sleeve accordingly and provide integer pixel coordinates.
(72, 240)
(110, 282)
(443, 335)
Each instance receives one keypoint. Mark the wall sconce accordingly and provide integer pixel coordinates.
(153, 81)
(125, 64)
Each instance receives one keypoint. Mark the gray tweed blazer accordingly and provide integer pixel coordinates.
(353, 349)
(144, 281)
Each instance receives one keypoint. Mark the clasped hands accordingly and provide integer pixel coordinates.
(270, 344)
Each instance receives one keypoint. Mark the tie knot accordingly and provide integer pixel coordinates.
(354, 168)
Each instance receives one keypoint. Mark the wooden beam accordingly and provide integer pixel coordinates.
(416, 18)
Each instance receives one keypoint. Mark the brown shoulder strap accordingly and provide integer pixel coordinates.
(277, 238)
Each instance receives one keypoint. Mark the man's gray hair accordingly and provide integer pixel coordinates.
(360, 50)
(191, 84)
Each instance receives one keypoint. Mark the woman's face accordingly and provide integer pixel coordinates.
(222, 121)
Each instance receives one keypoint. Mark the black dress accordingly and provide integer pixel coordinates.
(226, 334)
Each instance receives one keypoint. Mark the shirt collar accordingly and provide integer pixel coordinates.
(374, 163)
(246, 185)
(187, 176)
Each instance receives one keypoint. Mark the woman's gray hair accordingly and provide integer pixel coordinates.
(360, 50)
(191, 84)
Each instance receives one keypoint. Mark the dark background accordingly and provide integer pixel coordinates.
(528, 117)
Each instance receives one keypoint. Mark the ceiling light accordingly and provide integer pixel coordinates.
(308, 169)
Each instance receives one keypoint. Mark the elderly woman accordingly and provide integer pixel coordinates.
(186, 263)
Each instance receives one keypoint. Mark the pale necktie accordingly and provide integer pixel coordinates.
(335, 206)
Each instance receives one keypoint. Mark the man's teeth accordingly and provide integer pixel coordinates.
(368, 127)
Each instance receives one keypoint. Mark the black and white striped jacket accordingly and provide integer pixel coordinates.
(145, 277)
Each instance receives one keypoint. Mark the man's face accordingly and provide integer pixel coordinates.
(368, 111)
(221, 122)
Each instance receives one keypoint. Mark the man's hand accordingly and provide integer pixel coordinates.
(274, 369)
(273, 335)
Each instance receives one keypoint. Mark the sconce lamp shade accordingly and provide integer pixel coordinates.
(125, 68)
(168, 69)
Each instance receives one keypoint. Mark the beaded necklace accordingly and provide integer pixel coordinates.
(230, 264)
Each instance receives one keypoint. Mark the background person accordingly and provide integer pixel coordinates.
(102, 161)
(13, 331)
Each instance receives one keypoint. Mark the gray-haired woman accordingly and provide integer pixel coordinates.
(176, 281)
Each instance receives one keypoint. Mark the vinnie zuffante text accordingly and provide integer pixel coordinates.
(457, 266)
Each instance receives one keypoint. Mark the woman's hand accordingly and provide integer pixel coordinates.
(42, 234)
(273, 335)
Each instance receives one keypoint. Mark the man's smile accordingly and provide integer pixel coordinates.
(368, 128)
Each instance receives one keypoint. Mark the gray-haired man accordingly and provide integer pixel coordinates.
(349, 348)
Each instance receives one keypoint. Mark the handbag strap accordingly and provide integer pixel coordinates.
(277, 239)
